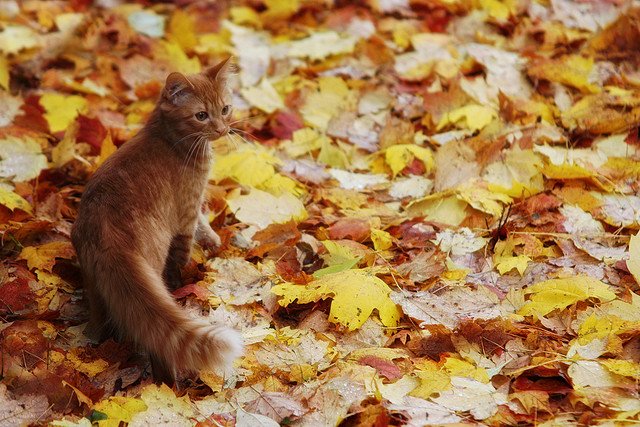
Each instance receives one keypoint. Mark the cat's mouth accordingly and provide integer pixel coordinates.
(217, 133)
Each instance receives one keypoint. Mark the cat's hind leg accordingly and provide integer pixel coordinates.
(99, 327)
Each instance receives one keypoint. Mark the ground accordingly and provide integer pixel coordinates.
(428, 210)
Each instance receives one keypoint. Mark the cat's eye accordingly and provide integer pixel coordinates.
(202, 115)
(226, 109)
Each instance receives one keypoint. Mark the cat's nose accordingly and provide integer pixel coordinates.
(220, 127)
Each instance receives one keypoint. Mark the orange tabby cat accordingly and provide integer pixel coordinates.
(138, 216)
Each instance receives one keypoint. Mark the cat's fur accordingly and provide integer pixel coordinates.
(138, 216)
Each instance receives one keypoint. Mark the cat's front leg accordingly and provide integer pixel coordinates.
(205, 236)
(178, 256)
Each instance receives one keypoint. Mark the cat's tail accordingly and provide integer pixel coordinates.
(142, 309)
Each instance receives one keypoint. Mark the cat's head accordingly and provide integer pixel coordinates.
(198, 105)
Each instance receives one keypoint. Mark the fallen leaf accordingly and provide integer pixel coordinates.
(22, 159)
(61, 110)
(12, 200)
(633, 263)
(249, 209)
(43, 257)
(355, 294)
(560, 293)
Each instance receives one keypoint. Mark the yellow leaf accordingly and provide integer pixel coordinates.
(263, 96)
(43, 257)
(304, 141)
(433, 379)
(172, 53)
(243, 15)
(4, 73)
(385, 353)
(441, 207)
(499, 10)
(49, 278)
(138, 111)
(280, 9)
(301, 373)
(355, 293)
(381, 240)
(213, 44)
(602, 326)
(338, 253)
(118, 409)
(332, 156)
(626, 368)
(506, 264)
(12, 200)
(66, 149)
(181, 30)
(87, 86)
(560, 293)
(106, 149)
(82, 398)
(461, 368)
(321, 105)
(566, 171)
(517, 175)
(571, 70)
(473, 117)
(633, 263)
(399, 156)
(61, 110)
(602, 113)
(254, 168)
(92, 368)
(532, 400)
(482, 199)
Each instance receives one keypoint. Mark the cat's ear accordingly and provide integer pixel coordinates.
(221, 70)
(176, 88)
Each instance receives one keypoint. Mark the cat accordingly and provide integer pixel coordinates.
(138, 217)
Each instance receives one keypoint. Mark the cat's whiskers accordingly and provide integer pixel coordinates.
(192, 150)
(234, 143)
(185, 137)
(240, 136)
(245, 119)
(244, 132)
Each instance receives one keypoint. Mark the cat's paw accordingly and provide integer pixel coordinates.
(208, 239)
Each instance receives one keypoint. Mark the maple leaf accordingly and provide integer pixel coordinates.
(12, 200)
(355, 294)
(22, 159)
(248, 209)
(43, 257)
(559, 293)
(61, 110)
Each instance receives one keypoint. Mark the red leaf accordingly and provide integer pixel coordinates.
(15, 296)
(350, 228)
(91, 131)
(384, 367)
(192, 289)
(285, 124)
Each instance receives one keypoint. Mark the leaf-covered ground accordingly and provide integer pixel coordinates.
(427, 209)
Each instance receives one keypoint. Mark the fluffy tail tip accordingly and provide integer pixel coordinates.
(229, 343)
